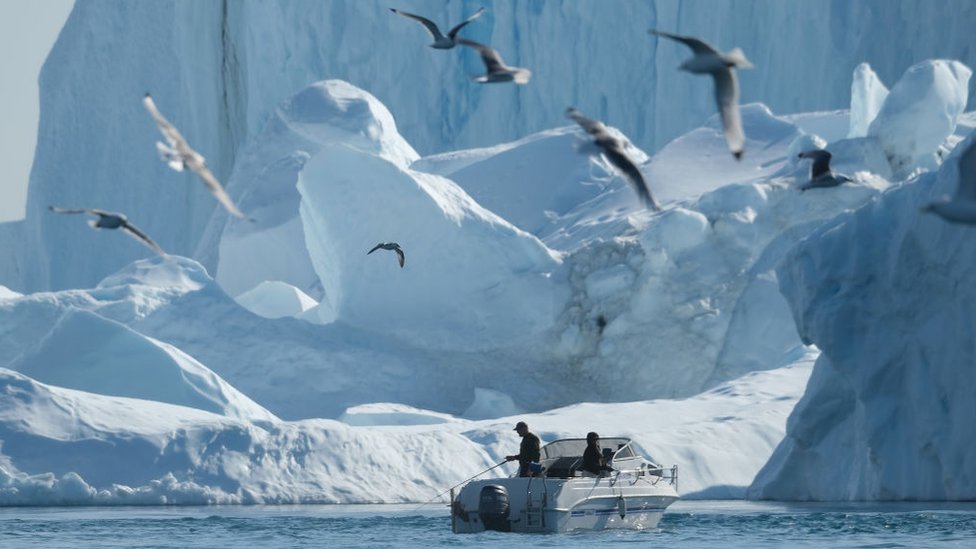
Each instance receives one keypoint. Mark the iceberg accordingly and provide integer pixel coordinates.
(87, 352)
(220, 70)
(868, 93)
(68, 447)
(920, 113)
(884, 292)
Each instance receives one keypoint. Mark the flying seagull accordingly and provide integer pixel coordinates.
(496, 69)
(613, 149)
(389, 246)
(111, 220)
(441, 42)
(708, 60)
(178, 155)
(820, 173)
(960, 208)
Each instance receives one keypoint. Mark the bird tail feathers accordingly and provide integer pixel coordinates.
(170, 156)
(738, 59)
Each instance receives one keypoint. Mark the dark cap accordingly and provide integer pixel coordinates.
(520, 425)
(592, 436)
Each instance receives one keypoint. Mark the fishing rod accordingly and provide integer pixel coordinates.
(462, 482)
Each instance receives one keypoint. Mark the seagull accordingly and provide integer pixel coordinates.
(820, 174)
(613, 149)
(111, 220)
(708, 60)
(497, 70)
(389, 246)
(178, 155)
(441, 42)
(960, 208)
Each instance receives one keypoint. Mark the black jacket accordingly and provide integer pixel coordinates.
(593, 460)
(529, 449)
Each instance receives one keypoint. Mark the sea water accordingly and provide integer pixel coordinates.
(686, 524)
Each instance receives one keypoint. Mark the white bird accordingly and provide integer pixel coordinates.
(613, 149)
(708, 60)
(441, 42)
(178, 155)
(112, 220)
(389, 246)
(820, 173)
(960, 208)
(497, 70)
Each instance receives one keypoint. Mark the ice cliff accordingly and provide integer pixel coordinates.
(885, 292)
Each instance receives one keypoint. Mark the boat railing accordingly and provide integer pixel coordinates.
(669, 474)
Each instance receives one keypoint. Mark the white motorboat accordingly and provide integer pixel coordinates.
(561, 498)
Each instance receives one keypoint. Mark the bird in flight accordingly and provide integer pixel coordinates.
(613, 149)
(820, 172)
(178, 155)
(497, 70)
(389, 246)
(441, 42)
(960, 208)
(112, 220)
(708, 60)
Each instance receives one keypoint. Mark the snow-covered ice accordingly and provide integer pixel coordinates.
(67, 447)
(868, 93)
(920, 113)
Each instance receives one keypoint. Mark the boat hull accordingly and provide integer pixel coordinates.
(561, 505)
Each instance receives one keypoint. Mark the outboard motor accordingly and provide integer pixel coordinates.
(493, 508)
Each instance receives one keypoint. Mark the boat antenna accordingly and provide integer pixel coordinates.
(462, 482)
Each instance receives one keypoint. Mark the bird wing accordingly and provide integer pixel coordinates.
(376, 247)
(169, 131)
(400, 257)
(427, 23)
(93, 211)
(592, 127)
(134, 232)
(695, 44)
(821, 162)
(215, 188)
(453, 32)
(967, 174)
(727, 97)
(633, 175)
(493, 62)
(56, 209)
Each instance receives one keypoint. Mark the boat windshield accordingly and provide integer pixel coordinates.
(574, 447)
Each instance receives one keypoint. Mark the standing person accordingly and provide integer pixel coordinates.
(593, 461)
(528, 450)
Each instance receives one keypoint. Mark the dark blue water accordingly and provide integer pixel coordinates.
(687, 524)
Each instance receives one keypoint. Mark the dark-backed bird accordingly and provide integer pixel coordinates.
(389, 246)
(497, 70)
(820, 173)
(960, 208)
(613, 150)
(708, 60)
(112, 220)
(441, 42)
(178, 155)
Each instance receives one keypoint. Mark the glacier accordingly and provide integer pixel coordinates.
(273, 361)
(256, 54)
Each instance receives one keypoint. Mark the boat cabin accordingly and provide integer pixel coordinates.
(564, 458)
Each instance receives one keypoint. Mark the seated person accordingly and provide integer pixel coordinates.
(593, 461)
